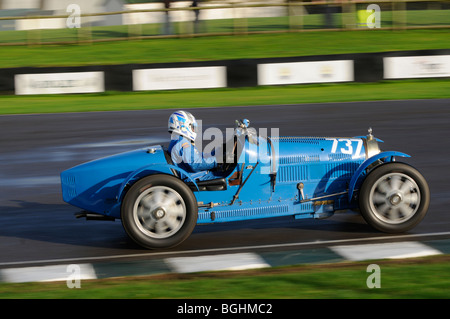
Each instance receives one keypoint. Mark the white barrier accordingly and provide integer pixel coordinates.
(59, 83)
(219, 74)
(180, 78)
(305, 72)
(416, 67)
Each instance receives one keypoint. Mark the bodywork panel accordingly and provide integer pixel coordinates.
(301, 176)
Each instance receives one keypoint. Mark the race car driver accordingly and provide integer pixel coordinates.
(183, 128)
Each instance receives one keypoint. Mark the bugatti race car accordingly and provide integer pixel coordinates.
(160, 203)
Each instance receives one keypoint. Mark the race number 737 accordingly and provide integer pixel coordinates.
(350, 146)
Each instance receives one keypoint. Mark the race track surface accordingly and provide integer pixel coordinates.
(36, 226)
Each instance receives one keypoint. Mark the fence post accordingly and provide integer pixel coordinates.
(348, 14)
(353, 19)
(134, 30)
(296, 11)
(290, 14)
(301, 7)
(240, 24)
(34, 35)
(399, 14)
(84, 32)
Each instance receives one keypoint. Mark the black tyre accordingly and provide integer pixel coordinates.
(159, 211)
(394, 198)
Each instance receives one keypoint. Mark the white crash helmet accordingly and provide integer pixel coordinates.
(183, 123)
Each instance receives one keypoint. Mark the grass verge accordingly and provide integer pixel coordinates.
(295, 94)
(402, 279)
(223, 48)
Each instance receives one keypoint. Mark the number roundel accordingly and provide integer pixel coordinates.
(350, 146)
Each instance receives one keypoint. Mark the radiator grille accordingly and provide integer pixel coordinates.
(292, 173)
(339, 157)
(294, 159)
(295, 139)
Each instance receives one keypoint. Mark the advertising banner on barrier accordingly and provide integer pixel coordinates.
(305, 72)
(180, 78)
(59, 83)
(408, 67)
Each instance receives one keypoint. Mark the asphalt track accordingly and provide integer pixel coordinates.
(37, 227)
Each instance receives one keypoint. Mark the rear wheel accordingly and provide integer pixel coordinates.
(394, 198)
(159, 211)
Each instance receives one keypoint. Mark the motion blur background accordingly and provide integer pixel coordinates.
(47, 21)
(93, 34)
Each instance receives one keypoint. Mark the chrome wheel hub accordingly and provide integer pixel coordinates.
(394, 198)
(159, 212)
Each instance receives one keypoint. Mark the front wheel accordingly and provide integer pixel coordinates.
(159, 211)
(394, 198)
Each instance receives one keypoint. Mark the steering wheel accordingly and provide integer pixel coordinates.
(230, 159)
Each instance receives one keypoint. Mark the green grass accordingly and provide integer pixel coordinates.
(416, 278)
(113, 101)
(223, 48)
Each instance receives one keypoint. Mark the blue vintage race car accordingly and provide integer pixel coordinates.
(305, 177)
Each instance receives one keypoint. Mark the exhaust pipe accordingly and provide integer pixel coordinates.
(93, 216)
